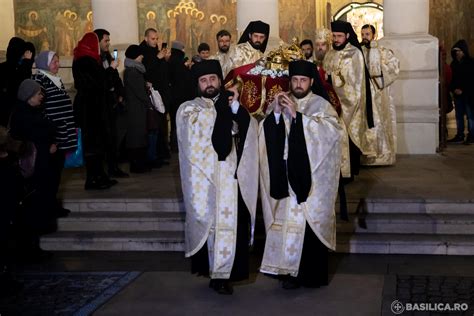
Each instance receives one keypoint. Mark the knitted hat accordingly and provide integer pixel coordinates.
(44, 59)
(133, 51)
(177, 45)
(27, 89)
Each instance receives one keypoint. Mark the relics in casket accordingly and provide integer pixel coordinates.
(258, 83)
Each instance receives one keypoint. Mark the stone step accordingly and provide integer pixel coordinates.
(346, 242)
(418, 206)
(114, 241)
(414, 206)
(421, 244)
(409, 224)
(124, 205)
(122, 221)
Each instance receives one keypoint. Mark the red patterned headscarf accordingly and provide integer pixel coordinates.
(88, 46)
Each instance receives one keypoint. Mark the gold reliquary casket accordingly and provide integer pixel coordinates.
(259, 82)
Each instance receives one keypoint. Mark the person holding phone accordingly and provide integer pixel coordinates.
(116, 127)
(157, 72)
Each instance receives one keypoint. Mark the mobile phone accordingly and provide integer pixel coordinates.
(115, 54)
(164, 45)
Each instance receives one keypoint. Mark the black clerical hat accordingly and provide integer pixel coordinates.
(256, 27)
(207, 67)
(346, 27)
(341, 26)
(301, 68)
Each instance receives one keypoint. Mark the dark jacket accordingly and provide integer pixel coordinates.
(463, 71)
(30, 124)
(137, 104)
(90, 103)
(12, 72)
(113, 82)
(156, 71)
(180, 79)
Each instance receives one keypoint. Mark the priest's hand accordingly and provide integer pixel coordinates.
(277, 102)
(289, 107)
(235, 96)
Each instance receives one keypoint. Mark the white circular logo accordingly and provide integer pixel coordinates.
(397, 307)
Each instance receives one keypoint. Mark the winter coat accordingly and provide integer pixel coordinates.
(137, 103)
(463, 71)
(12, 72)
(156, 72)
(90, 103)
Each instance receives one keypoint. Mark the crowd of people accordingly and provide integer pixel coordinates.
(337, 115)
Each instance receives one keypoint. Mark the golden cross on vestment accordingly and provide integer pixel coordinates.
(296, 210)
(226, 212)
(273, 247)
(225, 252)
(196, 147)
(292, 250)
(198, 186)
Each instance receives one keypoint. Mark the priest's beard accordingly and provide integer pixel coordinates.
(299, 93)
(224, 49)
(340, 47)
(320, 55)
(365, 42)
(256, 45)
(308, 55)
(210, 92)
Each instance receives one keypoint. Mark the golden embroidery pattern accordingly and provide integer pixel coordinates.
(249, 94)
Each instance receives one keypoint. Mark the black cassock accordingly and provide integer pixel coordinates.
(222, 140)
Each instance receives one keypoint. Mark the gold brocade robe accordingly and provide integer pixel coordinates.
(285, 219)
(226, 60)
(210, 189)
(346, 68)
(383, 68)
(244, 54)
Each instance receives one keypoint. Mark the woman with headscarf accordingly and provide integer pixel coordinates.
(58, 108)
(29, 124)
(90, 109)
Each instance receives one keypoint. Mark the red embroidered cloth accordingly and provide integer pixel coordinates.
(256, 91)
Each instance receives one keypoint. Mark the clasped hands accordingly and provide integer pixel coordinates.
(283, 103)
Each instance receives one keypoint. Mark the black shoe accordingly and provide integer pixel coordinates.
(139, 168)
(222, 287)
(456, 139)
(62, 212)
(155, 164)
(111, 182)
(118, 173)
(98, 183)
(290, 283)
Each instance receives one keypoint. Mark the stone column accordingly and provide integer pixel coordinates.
(415, 93)
(7, 25)
(251, 10)
(120, 18)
